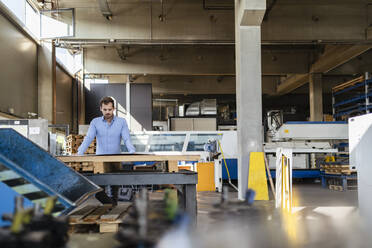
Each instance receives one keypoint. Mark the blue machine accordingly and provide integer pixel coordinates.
(28, 170)
(232, 165)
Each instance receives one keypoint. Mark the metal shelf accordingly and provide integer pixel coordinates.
(367, 82)
(352, 105)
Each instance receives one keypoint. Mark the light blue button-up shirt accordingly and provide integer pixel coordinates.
(108, 136)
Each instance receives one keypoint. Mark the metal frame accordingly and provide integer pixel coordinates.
(343, 178)
(362, 102)
(59, 10)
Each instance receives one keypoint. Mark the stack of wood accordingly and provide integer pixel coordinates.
(74, 141)
(107, 217)
(336, 187)
(82, 166)
(95, 167)
(327, 118)
(336, 168)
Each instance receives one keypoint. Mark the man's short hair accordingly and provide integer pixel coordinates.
(106, 100)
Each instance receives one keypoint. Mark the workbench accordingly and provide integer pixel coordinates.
(129, 157)
(185, 181)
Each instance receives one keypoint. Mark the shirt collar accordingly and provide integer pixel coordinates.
(103, 118)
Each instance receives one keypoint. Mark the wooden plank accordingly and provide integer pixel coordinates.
(348, 84)
(105, 167)
(172, 166)
(96, 214)
(101, 167)
(108, 227)
(87, 168)
(116, 212)
(81, 213)
(128, 158)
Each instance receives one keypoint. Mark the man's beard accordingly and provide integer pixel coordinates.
(107, 116)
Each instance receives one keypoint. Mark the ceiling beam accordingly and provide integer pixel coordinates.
(336, 56)
(105, 9)
(291, 83)
(333, 57)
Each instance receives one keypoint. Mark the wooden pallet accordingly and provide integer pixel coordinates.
(74, 141)
(95, 167)
(336, 187)
(107, 217)
(336, 169)
(72, 137)
(82, 166)
(72, 151)
(72, 144)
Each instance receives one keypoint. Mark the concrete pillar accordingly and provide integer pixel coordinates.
(248, 18)
(316, 97)
(127, 97)
(46, 80)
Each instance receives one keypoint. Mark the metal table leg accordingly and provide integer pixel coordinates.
(187, 201)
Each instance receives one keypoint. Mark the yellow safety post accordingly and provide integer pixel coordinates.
(286, 185)
(284, 179)
(257, 176)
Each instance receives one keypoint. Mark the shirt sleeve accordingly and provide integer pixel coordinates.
(88, 138)
(125, 135)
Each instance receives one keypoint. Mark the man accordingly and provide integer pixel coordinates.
(108, 130)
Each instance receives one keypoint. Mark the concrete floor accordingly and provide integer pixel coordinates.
(306, 196)
(312, 202)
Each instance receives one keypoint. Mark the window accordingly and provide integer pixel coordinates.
(32, 20)
(47, 24)
(17, 7)
(26, 14)
(167, 142)
(197, 141)
(57, 23)
(72, 62)
(96, 80)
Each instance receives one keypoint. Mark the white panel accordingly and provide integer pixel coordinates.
(182, 124)
(312, 131)
(300, 161)
(205, 124)
(361, 136)
(358, 126)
